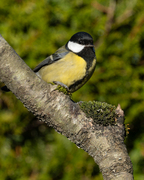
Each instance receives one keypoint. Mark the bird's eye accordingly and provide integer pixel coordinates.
(80, 42)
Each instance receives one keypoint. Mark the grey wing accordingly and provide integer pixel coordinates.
(60, 53)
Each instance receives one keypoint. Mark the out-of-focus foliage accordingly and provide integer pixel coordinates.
(35, 29)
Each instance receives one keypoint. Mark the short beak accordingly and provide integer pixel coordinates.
(89, 45)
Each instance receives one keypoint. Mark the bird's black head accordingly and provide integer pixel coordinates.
(82, 38)
(79, 41)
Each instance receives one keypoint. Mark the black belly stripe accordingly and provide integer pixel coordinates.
(88, 54)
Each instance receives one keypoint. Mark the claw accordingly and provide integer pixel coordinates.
(61, 84)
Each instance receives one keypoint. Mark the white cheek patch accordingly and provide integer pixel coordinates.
(75, 47)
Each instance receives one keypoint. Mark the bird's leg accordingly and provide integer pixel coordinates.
(61, 84)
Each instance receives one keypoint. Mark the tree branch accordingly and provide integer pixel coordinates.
(112, 21)
(98, 129)
(110, 11)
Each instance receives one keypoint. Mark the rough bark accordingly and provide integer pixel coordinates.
(101, 138)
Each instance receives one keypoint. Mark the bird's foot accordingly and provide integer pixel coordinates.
(61, 84)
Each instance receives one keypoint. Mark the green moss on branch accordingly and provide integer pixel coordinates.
(101, 112)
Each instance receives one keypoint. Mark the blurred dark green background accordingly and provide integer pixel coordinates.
(29, 150)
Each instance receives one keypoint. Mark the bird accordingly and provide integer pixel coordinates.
(72, 65)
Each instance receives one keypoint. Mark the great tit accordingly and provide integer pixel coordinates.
(71, 65)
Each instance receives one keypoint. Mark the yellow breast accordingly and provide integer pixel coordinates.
(66, 70)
